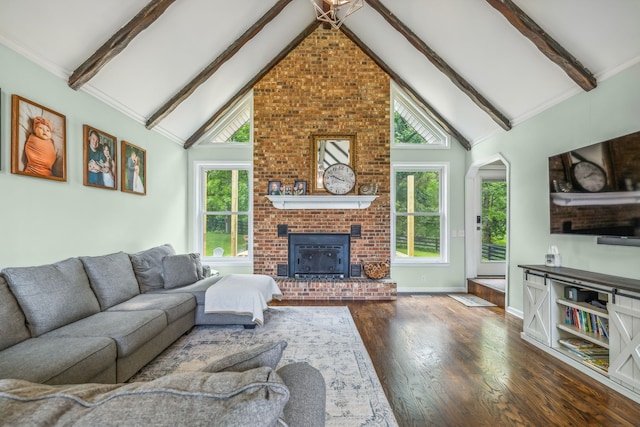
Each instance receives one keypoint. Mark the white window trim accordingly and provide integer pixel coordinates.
(443, 169)
(397, 92)
(245, 102)
(199, 167)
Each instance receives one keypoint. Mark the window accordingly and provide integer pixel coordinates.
(223, 209)
(410, 124)
(419, 213)
(236, 125)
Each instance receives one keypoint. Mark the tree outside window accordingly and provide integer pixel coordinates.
(226, 213)
(418, 214)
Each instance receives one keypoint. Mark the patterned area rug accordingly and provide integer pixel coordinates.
(325, 337)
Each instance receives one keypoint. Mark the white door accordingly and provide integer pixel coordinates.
(491, 220)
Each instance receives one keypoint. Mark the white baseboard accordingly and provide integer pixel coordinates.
(515, 312)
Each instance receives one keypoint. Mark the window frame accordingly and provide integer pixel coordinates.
(418, 111)
(246, 102)
(200, 168)
(443, 169)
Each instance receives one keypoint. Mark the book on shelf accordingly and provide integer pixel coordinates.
(576, 343)
(602, 364)
(587, 352)
(590, 353)
(587, 322)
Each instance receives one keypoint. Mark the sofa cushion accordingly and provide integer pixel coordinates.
(111, 278)
(129, 329)
(254, 398)
(174, 305)
(267, 354)
(13, 328)
(181, 270)
(147, 266)
(52, 295)
(59, 360)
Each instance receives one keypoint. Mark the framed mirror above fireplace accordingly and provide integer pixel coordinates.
(328, 149)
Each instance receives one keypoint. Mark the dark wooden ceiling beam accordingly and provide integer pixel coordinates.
(545, 43)
(433, 114)
(206, 73)
(118, 42)
(202, 131)
(441, 65)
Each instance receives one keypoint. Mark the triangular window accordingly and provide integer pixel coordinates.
(411, 125)
(236, 125)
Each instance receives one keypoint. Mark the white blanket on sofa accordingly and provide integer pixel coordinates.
(242, 294)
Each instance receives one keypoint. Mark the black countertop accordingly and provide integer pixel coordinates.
(617, 282)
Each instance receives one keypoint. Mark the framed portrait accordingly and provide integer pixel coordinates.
(300, 188)
(38, 140)
(133, 169)
(275, 188)
(100, 164)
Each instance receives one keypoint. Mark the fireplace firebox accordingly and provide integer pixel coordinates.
(319, 255)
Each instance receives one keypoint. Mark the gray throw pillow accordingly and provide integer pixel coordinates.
(268, 354)
(252, 398)
(13, 328)
(52, 295)
(112, 278)
(147, 266)
(181, 270)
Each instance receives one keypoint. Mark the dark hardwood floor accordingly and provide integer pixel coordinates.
(444, 364)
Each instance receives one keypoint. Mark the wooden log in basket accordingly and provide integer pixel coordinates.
(376, 270)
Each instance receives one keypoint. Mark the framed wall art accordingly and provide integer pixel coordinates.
(38, 140)
(300, 188)
(100, 166)
(133, 169)
(275, 188)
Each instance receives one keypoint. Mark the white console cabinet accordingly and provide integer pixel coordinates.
(607, 333)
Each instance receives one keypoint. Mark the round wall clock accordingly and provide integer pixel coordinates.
(588, 176)
(339, 179)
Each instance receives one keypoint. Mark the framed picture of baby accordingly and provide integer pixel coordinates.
(38, 140)
(133, 169)
(100, 158)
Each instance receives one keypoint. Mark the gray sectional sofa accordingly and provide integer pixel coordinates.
(100, 319)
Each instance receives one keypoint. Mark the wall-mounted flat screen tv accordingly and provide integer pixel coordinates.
(595, 190)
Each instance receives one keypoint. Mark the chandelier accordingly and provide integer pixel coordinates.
(335, 11)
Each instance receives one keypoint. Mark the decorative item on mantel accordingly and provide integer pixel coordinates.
(376, 270)
(368, 189)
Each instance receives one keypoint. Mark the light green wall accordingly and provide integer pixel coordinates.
(43, 221)
(610, 110)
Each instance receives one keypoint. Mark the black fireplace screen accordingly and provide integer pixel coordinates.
(319, 256)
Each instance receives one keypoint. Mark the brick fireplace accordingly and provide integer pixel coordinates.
(326, 85)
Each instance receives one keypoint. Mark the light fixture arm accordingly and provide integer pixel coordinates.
(334, 12)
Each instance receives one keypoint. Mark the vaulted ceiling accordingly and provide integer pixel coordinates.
(480, 66)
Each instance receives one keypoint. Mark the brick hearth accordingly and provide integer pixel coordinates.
(348, 289)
